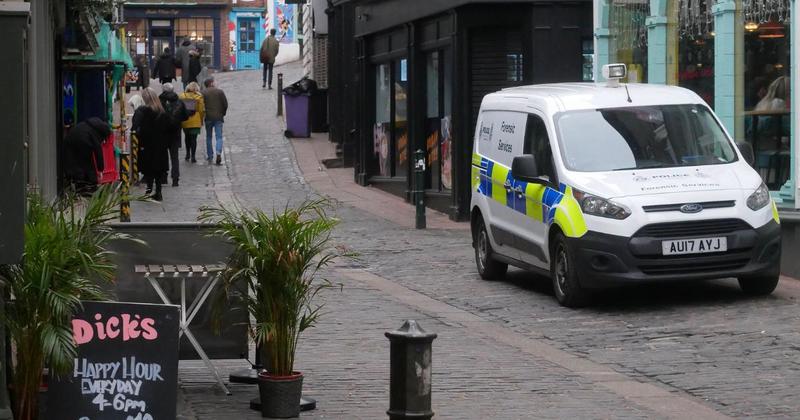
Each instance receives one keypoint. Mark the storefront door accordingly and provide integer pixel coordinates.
(247, 56)
(161, 37)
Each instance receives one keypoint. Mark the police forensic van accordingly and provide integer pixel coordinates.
(600, 185)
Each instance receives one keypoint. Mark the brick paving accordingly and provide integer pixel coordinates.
(691, 347)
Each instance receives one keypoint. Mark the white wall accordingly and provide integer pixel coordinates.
(288, 52)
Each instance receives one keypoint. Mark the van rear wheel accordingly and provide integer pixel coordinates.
(567, 289)
(488, 267)
(759, 285)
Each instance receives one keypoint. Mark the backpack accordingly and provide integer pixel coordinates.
(190, 105)
(176, 112)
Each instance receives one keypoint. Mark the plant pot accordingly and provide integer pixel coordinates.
(280, 395)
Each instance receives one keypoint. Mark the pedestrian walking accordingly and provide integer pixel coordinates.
(204, 73)
(182, 61)
(165, 67)
(195, 67)
(176, 111)
(268, 53)
(151, 124)
(216, 107)
(196, 108)
(83, 155)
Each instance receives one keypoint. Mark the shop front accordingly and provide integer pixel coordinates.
(151, 30)
(734, 54)
(247, 30)
(420, 76)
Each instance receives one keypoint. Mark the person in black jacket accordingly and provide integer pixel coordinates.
(83, 155)
(177, 113)
(151, 125)
(194, 67)
(165, 67)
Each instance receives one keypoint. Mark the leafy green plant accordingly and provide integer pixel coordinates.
(64, 261)
(273, 272)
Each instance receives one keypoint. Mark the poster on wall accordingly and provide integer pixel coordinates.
(447, 155)
(381, 148)
(126, 366)
(68, 104)
(232, 40)
(284, 15)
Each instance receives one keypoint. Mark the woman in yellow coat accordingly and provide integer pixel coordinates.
(196, 107)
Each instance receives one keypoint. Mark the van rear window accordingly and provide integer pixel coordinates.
(642, 137)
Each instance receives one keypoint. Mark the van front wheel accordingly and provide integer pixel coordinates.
(760, 285)
(567, 289)
(488, 267)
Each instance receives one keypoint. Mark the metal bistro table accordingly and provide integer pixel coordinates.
(211, 275)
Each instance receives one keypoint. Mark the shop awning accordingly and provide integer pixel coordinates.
(109, 48)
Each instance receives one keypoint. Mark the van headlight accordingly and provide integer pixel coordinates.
(597, 206)
(759, 199)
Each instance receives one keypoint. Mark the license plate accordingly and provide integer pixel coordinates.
(694, 246)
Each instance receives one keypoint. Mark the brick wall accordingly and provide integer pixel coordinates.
(224, 41)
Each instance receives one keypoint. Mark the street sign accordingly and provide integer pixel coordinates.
(127, 364)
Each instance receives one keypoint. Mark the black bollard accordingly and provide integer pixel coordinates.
(410, 372)
(280, 94)
(418, 192)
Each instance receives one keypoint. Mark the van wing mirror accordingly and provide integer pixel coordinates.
(747, 153)
(524, 169)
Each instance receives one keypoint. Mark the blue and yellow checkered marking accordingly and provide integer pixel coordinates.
(541, 203)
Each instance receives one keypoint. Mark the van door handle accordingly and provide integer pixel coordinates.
(507, 185)
(519, 191)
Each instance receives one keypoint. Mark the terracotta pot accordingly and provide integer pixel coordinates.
(280, 395)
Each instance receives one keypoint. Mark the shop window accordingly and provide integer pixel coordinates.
(629, 36)
(439, 133)
(587, 69)
(514, 67)
(401, 149)
(433, 116)
(136, 33)
(200, 32)
(383, 119)
(692, 25)
(391, 145)
(767, 93)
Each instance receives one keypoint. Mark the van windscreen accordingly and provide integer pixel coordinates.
(644, 137)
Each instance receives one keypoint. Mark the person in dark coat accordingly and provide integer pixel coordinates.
(176, 111)
(83, 155)
(165, 67)
(194, 67)
(151, 125)
(182, 60)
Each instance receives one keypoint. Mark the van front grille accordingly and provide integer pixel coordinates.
(677, 207)
(693, 229)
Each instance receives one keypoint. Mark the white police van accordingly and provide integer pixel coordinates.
(600, 185)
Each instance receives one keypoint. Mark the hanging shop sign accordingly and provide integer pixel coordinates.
(126, 367)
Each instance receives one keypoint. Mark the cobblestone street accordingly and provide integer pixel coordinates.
(505, 350)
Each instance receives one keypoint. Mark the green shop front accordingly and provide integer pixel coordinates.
(738, 55)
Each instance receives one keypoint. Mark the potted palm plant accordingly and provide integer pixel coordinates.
(273, 273)
(64, 262)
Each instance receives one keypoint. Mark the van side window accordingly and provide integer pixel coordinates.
(537, 143)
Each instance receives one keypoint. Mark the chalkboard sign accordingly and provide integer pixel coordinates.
(127, 364)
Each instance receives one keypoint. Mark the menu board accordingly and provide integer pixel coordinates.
(127, 364)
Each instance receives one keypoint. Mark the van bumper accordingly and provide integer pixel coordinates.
(607, 260)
